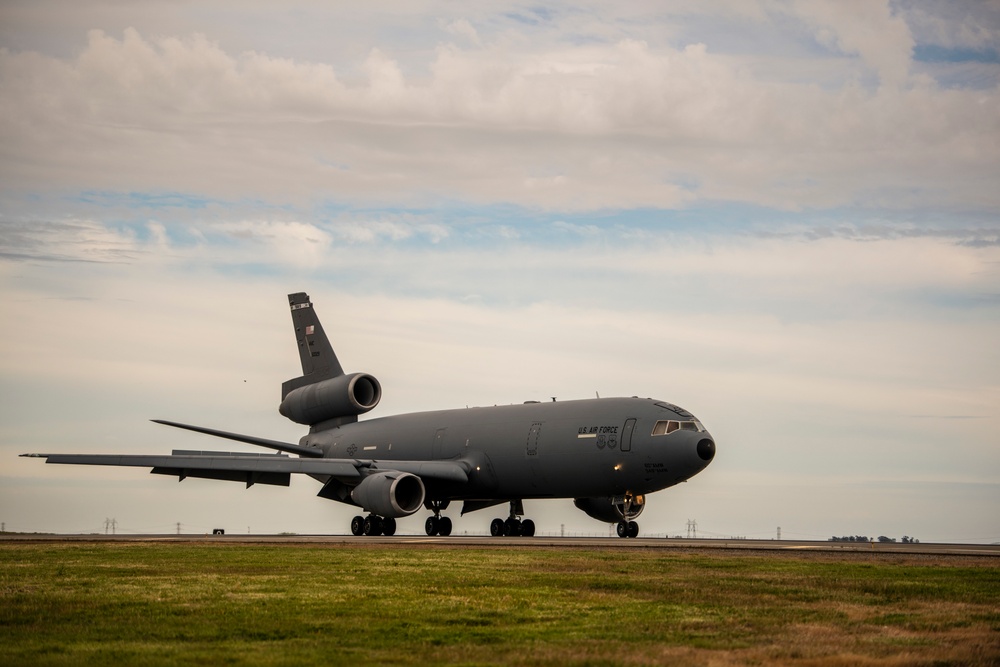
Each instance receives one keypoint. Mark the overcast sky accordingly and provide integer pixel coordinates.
(783, 215)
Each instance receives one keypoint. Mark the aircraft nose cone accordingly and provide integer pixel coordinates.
(706, 449)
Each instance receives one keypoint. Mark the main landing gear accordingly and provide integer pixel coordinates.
(437, 524)
(373, 526)
(513, 527)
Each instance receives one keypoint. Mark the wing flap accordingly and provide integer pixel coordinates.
(250, 478)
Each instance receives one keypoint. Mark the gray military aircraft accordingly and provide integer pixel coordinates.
(606, 453)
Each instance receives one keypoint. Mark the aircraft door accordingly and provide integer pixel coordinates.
(536, 471)
(533, 433)
(437, 451)
(627, 435)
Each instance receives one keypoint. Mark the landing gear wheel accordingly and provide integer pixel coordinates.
(357, 526)
(389, 526)
(513, 526)
(373, 526)
(437, 524)
(622, 529)
(633, 529)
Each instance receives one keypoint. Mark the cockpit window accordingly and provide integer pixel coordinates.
(664, 427)
(667, 427)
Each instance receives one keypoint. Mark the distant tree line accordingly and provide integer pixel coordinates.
(906, 539)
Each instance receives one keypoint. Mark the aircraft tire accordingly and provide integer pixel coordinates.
(511, 528)
(444, 526)
(633, 529)
(496, 528)
(622, 529)
(389, 527)
(357, 526)
(527, 528)
(431, 526)
(373, 526)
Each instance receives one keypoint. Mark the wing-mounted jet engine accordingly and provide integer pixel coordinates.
(323, 396)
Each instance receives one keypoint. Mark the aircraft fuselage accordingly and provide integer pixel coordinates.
(536, 450)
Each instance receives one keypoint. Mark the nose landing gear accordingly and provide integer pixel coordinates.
(513, 526)
(629, 508)
(628, 529)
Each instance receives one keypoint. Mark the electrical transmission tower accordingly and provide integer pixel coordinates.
(112, 524)
(692, 528)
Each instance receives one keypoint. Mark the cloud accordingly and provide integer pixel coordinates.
(871, 29)
(462, 28)
(956, 25)
(69, 241)
(609, 125)
(289, 243)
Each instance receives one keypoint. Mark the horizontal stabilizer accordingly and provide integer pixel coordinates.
(249, 439)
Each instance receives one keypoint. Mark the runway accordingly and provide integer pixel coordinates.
(548, 542)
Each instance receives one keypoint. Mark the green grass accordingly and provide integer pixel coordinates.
(330, 604)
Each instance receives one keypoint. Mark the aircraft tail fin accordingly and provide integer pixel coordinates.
(323, 396)
(319, 362)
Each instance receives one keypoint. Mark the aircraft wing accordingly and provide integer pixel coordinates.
(252, 468)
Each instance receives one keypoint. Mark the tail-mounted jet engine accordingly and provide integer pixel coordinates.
(390, 494)
(342, 396)
(612, 509)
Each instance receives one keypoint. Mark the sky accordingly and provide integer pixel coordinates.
(782, 215)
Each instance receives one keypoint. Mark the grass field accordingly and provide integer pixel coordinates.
(187, 603)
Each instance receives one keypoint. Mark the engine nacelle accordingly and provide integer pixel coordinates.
(612, 509)
(343, 396)
(390, 494)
